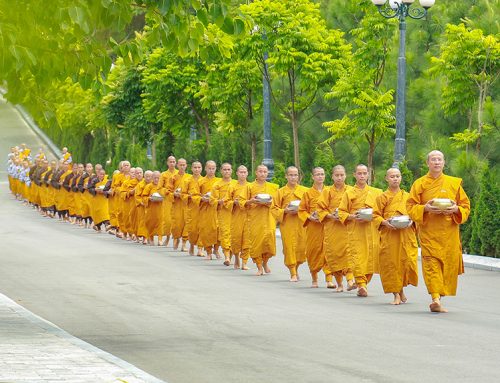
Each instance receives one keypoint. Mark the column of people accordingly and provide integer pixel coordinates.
(346, 232)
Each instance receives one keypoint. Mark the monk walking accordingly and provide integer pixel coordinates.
(166, 184)
(285, 210)
(308, 214)
(398, 247)
(179, 199)
(363, 235)
(208, 211)
(256, 197)
(239, 218)
(219, 194)
(336, 244)
(438, 227)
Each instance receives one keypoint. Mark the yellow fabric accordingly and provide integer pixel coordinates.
(315, 253)
(293, 234)
(336, 243)
(220, 191)
(193, 203)
(140, 197)
(78, 198)
(363, 236)
(165, 183)
(439, 235)
(154, 210)
(64, 203)
(114, 200)
(100, 208)
(128, 202)
(398, 248)
(262, 225)
(208, 214)
(180, 205)
(86, 199)
(239, 227)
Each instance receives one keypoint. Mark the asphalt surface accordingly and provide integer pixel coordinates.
(187, 320)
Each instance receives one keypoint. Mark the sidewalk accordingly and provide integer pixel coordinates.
(34, 350)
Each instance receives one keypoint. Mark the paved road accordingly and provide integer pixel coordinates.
(187, 320)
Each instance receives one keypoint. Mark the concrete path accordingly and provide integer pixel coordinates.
(186, 320)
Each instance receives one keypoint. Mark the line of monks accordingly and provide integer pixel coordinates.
(346, 232)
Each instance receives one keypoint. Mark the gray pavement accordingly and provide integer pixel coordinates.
(183, 319)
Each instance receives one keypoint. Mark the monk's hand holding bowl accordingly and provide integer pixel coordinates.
(430, 208)
(387, 224)
(451, 210)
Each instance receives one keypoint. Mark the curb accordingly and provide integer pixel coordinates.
(51, 328)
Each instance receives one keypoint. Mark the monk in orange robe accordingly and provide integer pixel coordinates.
(115, 202)
(219, 194)
(100, 208)
(141, 197)
(138, 176)
(398, 247)
(179, 185)
(257, 197)
(239, 220)
(208, 211)
(308, 214)
(154, 209)
(293, 234)
(193, 208)
(165, 184)
(336, 243)
(127, 191)
(363, 234)
(438, 227)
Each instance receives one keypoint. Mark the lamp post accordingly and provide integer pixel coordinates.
(401, 9)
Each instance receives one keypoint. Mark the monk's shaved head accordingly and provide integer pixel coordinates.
(392, 170)
(435, 153)
(338, 167)
(291, 168)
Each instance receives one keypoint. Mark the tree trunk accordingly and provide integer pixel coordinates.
(480, 110)
(253, 151)
(203, 122)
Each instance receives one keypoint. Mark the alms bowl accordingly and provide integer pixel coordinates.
(365, 214)
(294, 205)
(442, 203)
(401, 221)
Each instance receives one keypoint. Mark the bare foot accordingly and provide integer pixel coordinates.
(436, 307)
(176, 243)
(403, 297)
(331, 285)
(340, 289)
(351, 285)
(217, 255)
(244, 267)
(294, 278)
(227, 262)
(208, 257)
(362, 292)
(267, 269)
(191, 250)
(314, 285)
(260, 271)
(397, 299)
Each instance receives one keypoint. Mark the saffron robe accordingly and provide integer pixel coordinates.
(439, 235)
(398, 248)
(293, 234)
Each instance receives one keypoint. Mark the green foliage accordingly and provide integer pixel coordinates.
(485, 218)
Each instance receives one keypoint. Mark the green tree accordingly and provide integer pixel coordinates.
(304, 56)
(469, 63)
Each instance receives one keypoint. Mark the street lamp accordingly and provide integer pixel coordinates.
(401, 9)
